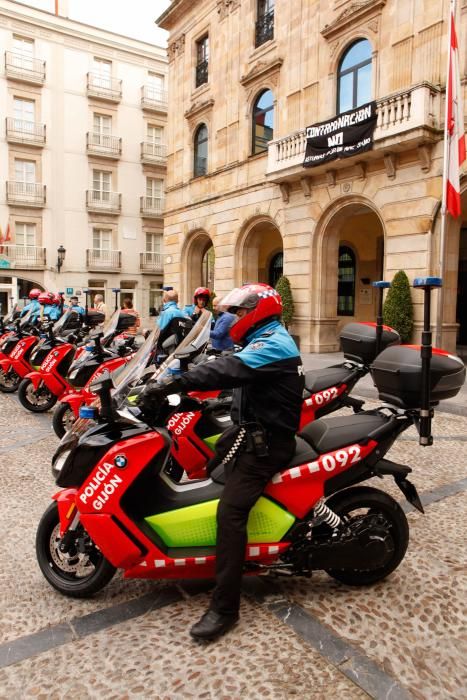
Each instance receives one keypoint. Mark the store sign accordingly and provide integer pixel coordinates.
(69, 290)
(348, 134)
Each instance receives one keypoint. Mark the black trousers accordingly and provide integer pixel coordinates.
(246, 481)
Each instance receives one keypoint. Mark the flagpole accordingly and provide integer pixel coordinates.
(447, 144)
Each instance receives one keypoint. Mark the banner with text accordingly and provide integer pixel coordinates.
(346, 135)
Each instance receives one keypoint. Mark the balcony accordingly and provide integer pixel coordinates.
(152, 207)
(103, 260)
(153, 153)
(104, 87)
(21, 131)
(153, 99)
(150, 262)
(103, 202)
(264, 29)
(23, 257)
(404, 120)
(25, 194)
(24, 68)
(103, 145)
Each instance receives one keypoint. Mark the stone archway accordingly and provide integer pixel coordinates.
(258, 247)
(198, 263)
(349, 254)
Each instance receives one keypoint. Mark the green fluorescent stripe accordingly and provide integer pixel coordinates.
(195, 526)
(211, 441)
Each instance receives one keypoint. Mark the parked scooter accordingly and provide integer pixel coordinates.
(16, 365)
(40, 389)
(119, 509)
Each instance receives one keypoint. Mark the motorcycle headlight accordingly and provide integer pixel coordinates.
(59, 463)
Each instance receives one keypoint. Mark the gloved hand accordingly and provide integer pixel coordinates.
(153, 395)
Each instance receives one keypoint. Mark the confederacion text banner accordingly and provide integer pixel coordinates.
(342, 136)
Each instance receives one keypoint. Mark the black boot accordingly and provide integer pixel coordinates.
(212, 625)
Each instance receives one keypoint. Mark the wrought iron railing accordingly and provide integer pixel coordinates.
(202, 72)
(26, 193)
(100, 200)
(264, 30)
(99, 259)
(151, 262)
(104, 86)
(154, 98)
(152, 206)
(153, 152)
(24, 256)
(23, 67)
(104, 144)
(23, 131)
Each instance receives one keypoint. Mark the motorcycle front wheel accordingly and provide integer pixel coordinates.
(355, 503)
(63, 419)
(80, 572)
(9, 381)
(37, 400)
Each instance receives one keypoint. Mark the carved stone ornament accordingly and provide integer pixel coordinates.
(285, 191)
(390, 165)
(353, 15)
(224, 6)
(176, 47)
(198, 107)
(305, 182)
(331, 177)
(424, 154)
(262, 69)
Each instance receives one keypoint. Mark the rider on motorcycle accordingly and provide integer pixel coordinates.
(269, 371)
(33, 305)
(201, 298)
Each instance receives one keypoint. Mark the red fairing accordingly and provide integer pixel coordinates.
(317, 401)
(373, 325)
(100, 495)
(66, 501)
(299, 488)
(18, 363)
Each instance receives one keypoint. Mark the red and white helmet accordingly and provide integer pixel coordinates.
(260, 300)
(202, 292)
(34, 293)
(46, 298)
(57, 300)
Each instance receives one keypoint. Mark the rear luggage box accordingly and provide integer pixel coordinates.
(358, 341)
(397, 374)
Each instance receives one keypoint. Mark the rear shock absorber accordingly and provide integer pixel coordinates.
(323, 514)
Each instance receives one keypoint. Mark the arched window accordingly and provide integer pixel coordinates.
(263, 122)
(346, 282)
(354, 76)
(200, 162)
(276, 267)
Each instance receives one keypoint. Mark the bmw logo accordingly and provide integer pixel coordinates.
(120, 461)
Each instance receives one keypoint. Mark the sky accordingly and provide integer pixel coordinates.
(135, 18)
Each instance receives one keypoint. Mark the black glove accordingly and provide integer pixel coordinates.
(154, 393)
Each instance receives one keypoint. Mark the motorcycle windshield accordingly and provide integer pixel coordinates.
(25, 320)
(191, 346)
(62, 322)
(126, 377)
(110, 325)
(11, 316)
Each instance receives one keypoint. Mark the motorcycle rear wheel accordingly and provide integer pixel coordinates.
(37, 400)
(63, 419)
(353, 502)
(74, 574)
(9, 381)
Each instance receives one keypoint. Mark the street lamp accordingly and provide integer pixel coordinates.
(61, 257)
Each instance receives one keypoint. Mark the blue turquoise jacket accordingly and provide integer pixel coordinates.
(33, 306)
(169, 311)
(52, 312)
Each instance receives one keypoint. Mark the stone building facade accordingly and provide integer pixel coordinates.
(247, 77)
(82, 158)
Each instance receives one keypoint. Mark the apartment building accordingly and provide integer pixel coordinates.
(82, 158)
(248, 77)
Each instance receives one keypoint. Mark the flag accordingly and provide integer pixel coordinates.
(454, 133)
(2, 240)
(7, 234)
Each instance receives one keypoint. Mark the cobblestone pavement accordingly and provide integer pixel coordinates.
(405, 637)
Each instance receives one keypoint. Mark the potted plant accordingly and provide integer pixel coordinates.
(398, 307)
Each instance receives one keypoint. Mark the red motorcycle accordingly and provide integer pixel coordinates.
(119, 509)
(42, 388)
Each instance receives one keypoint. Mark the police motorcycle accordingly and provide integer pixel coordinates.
(106, 350)
(15, 350)
(118, 508)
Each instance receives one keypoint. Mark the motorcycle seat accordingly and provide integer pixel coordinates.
(328, 434)
(303, 453)
(322, 379)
